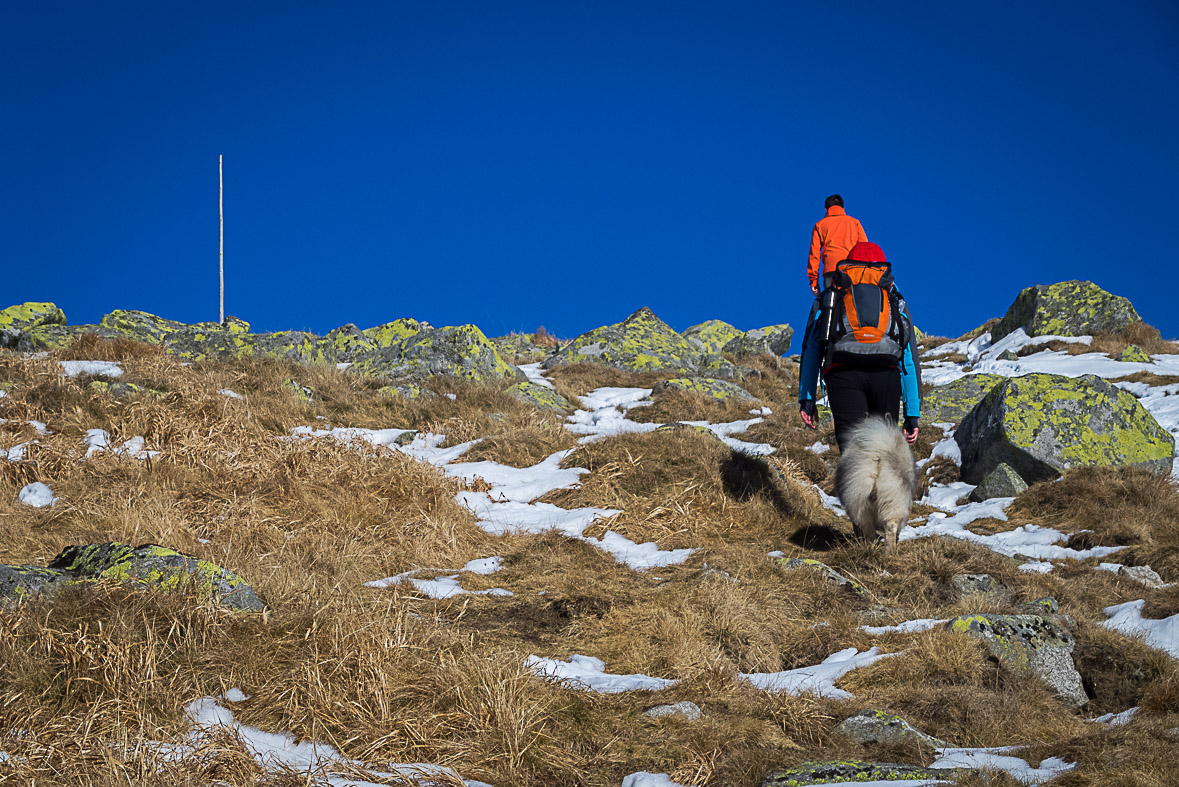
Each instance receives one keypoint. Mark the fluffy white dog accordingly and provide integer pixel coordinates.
(876, 480)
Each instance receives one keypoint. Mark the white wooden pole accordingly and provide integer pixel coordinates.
(221, 210)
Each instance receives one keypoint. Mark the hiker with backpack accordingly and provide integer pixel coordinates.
(860, 333)
(832, 239)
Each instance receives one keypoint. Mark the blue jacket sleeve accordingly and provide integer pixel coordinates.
(910, 368)
(812, 357)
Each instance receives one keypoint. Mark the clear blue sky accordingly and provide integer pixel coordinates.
(514, 164)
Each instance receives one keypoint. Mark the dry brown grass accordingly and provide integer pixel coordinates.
(387, 675)
(1140, 333)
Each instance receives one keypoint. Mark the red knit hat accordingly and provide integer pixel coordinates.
(867, 252)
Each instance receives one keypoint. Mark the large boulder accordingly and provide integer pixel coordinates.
(140, 326)
(711, 336)
(345, 344)
(57, 337)
(641, 343)
(1068, 308)
(15, 320)
(152, 566)
(1044, 424)
(1035, 644)
(770, 340)
(455, 351)
(391, 333)
(951, 402)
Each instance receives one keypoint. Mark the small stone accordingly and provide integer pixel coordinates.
(982, 585)
(876, 726)
(1142, 574)
(1008, 355)
(689, 710)
(1134, 354)
(1003, 481)
(823, 568)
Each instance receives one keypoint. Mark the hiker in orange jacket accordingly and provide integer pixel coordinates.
(832, 239)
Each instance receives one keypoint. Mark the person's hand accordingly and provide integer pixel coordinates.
(809, 413)
(815, 289)
(910, 430)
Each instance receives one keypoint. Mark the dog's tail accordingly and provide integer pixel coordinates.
(876, 480)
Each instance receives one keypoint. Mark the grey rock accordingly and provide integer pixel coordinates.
(876, 726)
(689, 710)
(711, 336)
(1003, 481)
(951, 402)
(845, 771)
(1144, 575)
(982, 585)
(794, 563)
(1043, 424)
(770, 340)
(1134, 354)
(1030, 643)
(18, 583)
(1068, 308)
(540, 396)
(455, 351)
(15, 320)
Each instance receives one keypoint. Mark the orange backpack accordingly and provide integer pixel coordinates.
(863, 325)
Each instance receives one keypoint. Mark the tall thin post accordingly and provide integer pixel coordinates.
(221, 211)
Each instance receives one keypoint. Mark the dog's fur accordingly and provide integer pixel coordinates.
(876, 480)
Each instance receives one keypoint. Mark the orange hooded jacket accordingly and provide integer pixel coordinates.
(834, 235)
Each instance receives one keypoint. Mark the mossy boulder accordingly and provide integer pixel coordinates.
(344, 345)
(711, 336)
(1029, 643)
(1068, 308)
(57, 337)
(877, 726)
(854, 771)
(18, 583)
(1003, 481)
(1044, 424)
(794, 563)
(714, 388)
(15, 320)
(951, 402)
(454, 351)
(152, 566)
(1134, 354)
(770, 340)
(540, 396)
(641, 343)
(391, 333)
(521, 347)
(140, 326)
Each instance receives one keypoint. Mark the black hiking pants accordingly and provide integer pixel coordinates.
(854, 394)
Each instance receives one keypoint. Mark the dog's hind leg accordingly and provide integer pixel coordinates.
(892, 532)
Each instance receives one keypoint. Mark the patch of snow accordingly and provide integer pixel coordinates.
(99, 440)
(946, 496)
(37, 495)
(908, 627)
(998, 759)
(830, 502)
(448, 587)
(638, 556)
(236, 695)
(1161, 634)
(534, 374)
(605, 413)
(17, 452)
(819, 679)
(40, 428)
(1036, 567)
(646, 779)
(451, 397)
(520, 484)
(343, 365)
(818, 447)
(95, 368)
(586, 673)
(514, 517)
(736, 427)
(484, 565)
(230, 394)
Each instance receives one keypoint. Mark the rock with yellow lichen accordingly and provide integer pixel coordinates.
(770, 340)
(721, 390)
(856, 771)
(1067, 308)
(453, 351)
(16, 320)
(1044, 424)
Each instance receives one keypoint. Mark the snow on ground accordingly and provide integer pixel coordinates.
(535, 375)
(16, 453)
(645, 779)
(1161, 634)
(998, 759)
(274, 750)
(819, 679)
(585, 673)
(1117, 719)
(520, 484)
(946, 497)
(95, 368)
(424, 447)
(37, 495)
(908, 627)
(230, 394)
(818, 447)
(99, 440)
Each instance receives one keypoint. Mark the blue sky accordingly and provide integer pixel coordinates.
(515, 164)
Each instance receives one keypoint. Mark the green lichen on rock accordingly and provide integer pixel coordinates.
(19, 583)
(714, 388)
(15, 320)
(304, 393)
(140, 326)
(455, 351)
(1068, 308)
(521, 347)
(344, 345)
(877, 726)
(852, 771)
(1029, 643)
(640, 343)
(57, 337)
(793, 563)
(1134, 354)
(540, 396)
(711, 336)
(951, 402)
(1003, 481)
(152, 566)
(1043, 424)
(770, 340)
(391, 333)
